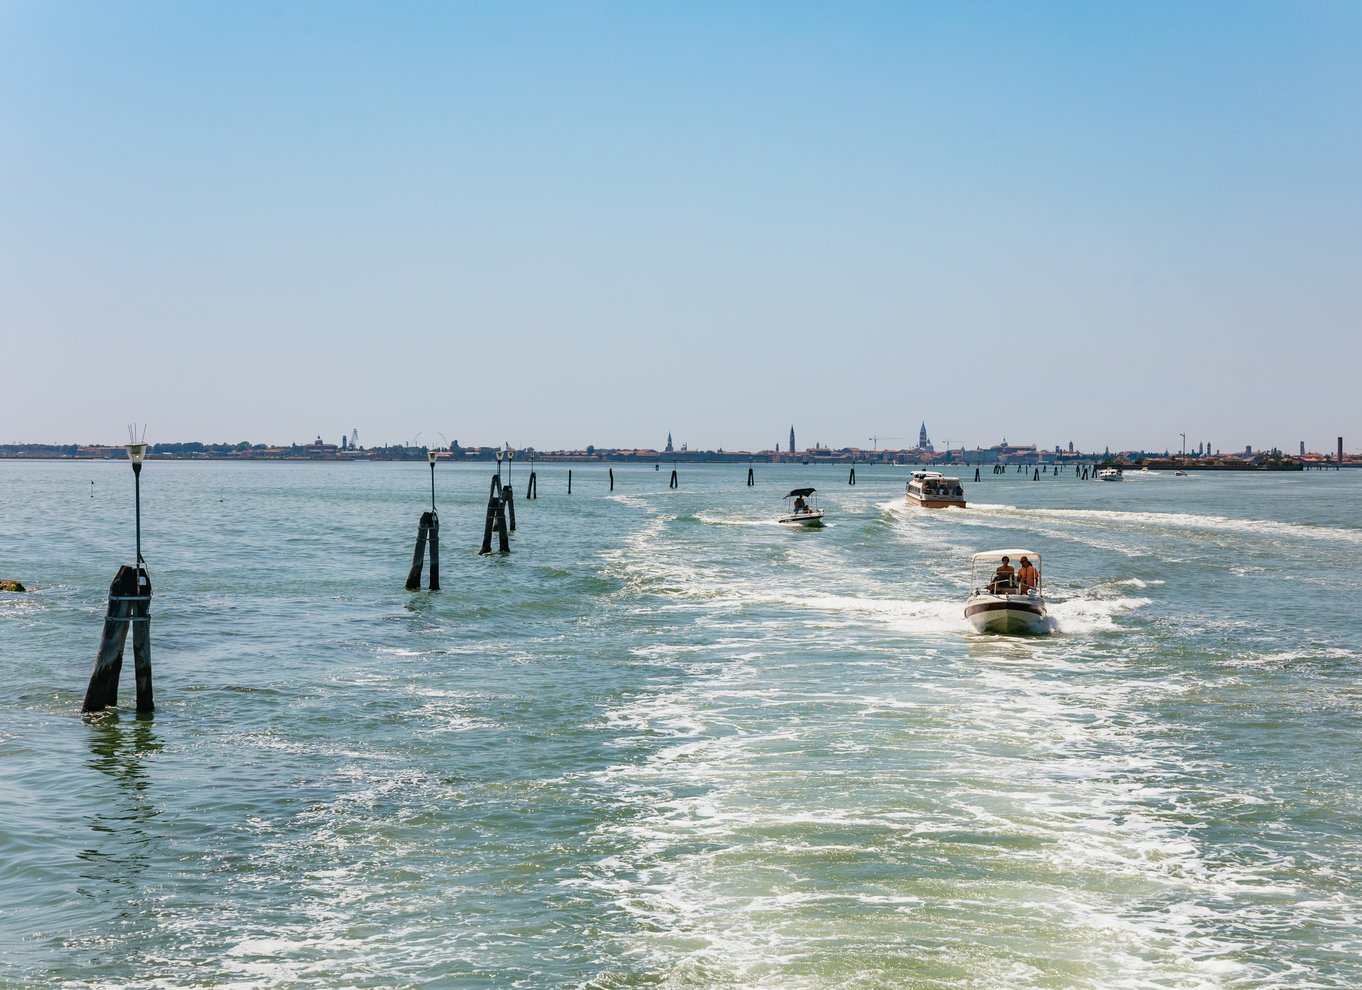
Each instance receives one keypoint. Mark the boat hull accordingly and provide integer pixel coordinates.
(804, 518)
(1008, 614)
(928, 502)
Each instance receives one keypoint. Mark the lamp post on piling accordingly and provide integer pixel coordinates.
(430, 456)
(500, 455)
(129, 611)
(137, 452)
(510, 456)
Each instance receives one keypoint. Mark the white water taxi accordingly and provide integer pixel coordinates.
(1110, 474)
(804, 511)
(933, 490)
(1006, 593)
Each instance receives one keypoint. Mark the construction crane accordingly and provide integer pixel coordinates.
(875, 443)
(962, 447)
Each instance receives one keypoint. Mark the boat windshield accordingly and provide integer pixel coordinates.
(1006, 572)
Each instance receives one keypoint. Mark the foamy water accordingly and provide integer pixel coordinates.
(670, 743)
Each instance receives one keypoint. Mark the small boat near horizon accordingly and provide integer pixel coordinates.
(934, 490)
(1111, 474)
(804, 511)
(1005, 598)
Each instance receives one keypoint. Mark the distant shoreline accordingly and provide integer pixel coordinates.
(689, 457)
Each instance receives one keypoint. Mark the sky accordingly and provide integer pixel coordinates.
(567, 223)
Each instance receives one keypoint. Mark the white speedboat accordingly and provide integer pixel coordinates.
(1110, 474)
(933, 490)
(804, 511)
(1006, 594)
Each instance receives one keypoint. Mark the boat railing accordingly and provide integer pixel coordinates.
(1005, 588)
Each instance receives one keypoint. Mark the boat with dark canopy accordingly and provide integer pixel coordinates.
(804, 510)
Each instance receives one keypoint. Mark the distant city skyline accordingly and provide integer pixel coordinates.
(595, 223)
(922, 446)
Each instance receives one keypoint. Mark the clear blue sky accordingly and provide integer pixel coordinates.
(569, 223)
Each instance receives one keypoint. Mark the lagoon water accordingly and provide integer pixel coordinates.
(669, 743)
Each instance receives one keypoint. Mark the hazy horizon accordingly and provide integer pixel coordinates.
(427, 443)
(598, 223)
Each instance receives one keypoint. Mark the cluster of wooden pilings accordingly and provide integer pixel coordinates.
(129, 607)
(500, 517)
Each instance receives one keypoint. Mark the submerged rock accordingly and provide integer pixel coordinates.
(11, 586)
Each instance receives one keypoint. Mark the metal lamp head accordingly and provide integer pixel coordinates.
(137, 452)
(510, 454)
(499, 456)
(431, 455)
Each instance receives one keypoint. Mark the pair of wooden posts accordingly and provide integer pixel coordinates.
(500, 520)
(427, 533)
(129, 606)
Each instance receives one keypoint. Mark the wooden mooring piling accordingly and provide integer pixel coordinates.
(129, 605)
(427, 534)
(496, 518)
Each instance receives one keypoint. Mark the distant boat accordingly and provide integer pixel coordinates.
(1111, 474)
(933, 490)
(1006, 593)
(804, 511)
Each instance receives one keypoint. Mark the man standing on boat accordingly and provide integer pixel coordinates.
(1003, 577)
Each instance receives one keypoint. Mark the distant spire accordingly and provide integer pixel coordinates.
(669, 442)
(792, 438)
